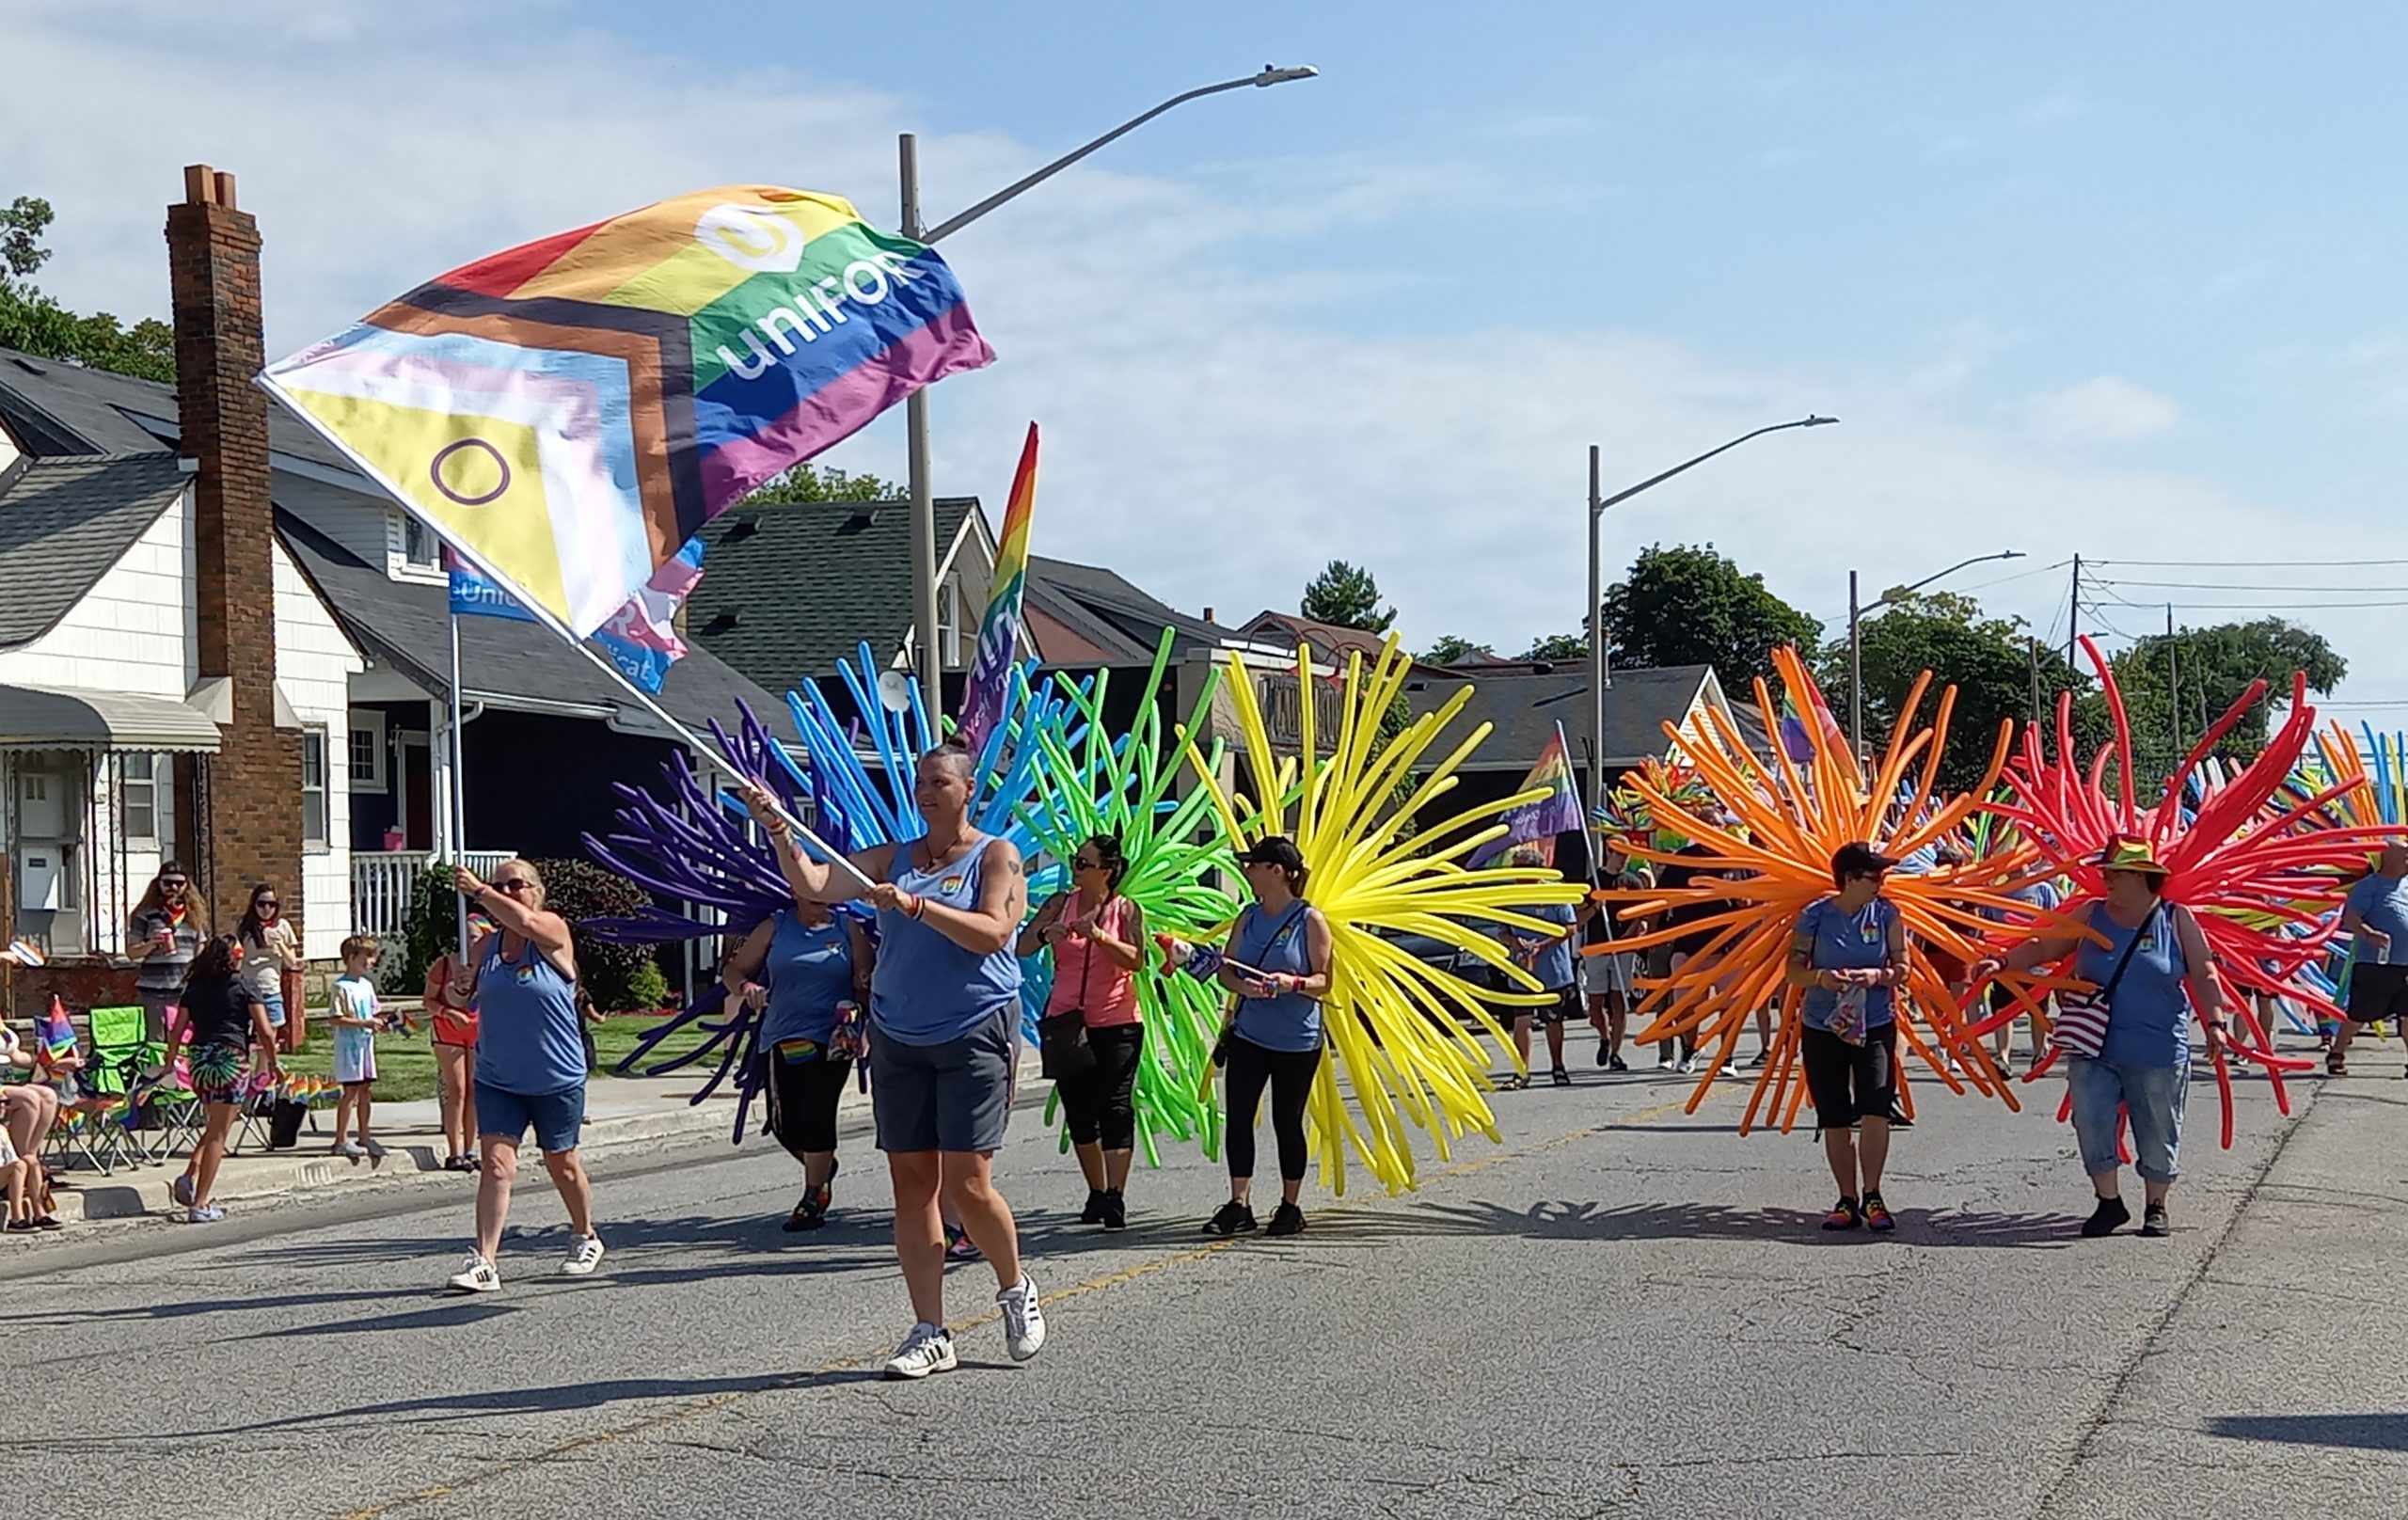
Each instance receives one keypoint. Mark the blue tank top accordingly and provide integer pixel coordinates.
(1291, 1021)
(928, 989)
(528, 1038)
(808, 972)
(2147, 1014)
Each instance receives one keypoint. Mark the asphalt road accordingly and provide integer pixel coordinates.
(1623, 1307)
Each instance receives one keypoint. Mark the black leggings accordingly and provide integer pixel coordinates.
(1101, 1102)
(803, 1102)
(1289, 1075)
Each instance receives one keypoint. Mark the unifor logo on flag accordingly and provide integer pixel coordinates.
(988, 684)
(569, 413)
(640, 637)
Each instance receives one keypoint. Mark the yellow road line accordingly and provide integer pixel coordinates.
(694, 1408)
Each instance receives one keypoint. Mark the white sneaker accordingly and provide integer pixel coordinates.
(346, 1150)
(1663, 1062)
(1688, 1063)
(928, 1349)
(583, 1256)
(1023, 1319)
(477, 1276)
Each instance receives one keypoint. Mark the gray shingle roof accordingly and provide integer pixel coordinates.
(1112, 614)
(66, 409)
(790, 587)
(406, 626)
(64, 522)
(1525, 705)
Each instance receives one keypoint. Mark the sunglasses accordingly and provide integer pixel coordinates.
(174, 884)
(267, 902)
(513, 886)
(1086, 863)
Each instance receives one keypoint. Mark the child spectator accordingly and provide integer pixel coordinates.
(357, 1018)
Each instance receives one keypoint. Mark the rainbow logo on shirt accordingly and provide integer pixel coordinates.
(952, 883)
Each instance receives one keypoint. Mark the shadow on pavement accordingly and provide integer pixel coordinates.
(1567, 1221)
(2364, 1432)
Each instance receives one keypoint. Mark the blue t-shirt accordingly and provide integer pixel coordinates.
(2383, 905)
(928, 989)
(1837, 939)
(529, 1040)
(2041, 895)
(354, 998)
(808, 972)
(2145, 1014)
(1291, 1021)
(1553, 965)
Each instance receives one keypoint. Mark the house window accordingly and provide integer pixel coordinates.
(949, 622)
(366, 757)
(419, 546)
(146, 801)
(314, 788)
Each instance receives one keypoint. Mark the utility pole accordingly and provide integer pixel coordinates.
(2073, 613)
(1855, 675)
(2173, 686)
(2032, 647)
(1600, 674)
(926, 657)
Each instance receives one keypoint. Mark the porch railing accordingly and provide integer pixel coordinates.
(383, 881)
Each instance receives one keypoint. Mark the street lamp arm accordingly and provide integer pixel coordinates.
(1908, 591)
(1653, 480)
(1268, 77)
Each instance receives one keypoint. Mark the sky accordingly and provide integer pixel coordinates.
(2114, 281)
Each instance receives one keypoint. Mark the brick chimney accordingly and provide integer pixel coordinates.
(246, 817)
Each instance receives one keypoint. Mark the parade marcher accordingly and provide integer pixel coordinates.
(2375, 914)
(2147, 953)
(1273, 1036)
(2041, 896)
(806, 973)
(1610, 977)
(1850, 954)
(453, 1033)
(166, 931)
(223, 1022)
(1687, 947)
(1549, 960)
(530, 1066)
(945, 1014)
(1098, 937)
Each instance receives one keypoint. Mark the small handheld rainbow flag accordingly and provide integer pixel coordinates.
(55, 1034)
(567, 413)
(988, 684)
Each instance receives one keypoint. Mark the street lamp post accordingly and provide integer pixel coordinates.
(1600, 671)
(916, 409)
(1856, 637)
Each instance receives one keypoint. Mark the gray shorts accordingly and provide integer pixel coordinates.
(1608, 972)
(955, 1096)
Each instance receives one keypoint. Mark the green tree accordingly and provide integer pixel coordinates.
(1347, 597)
(32, 322)
(1560, 648)
(807, 481)
(1993, 663)
(2175, 687)
(1692, 606)
(1451, 650)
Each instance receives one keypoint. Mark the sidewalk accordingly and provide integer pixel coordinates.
(620, 1112)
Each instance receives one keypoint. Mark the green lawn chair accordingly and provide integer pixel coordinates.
(115, 1066)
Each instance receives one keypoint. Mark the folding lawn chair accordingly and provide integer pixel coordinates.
(116, 1066)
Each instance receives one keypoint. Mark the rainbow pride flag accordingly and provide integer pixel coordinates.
(566, 414)
(988, 684)
(1538, 823)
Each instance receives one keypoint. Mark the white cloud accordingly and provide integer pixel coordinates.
(1218, 421)
(2105, 410)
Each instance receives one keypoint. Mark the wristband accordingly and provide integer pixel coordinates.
(914, 905)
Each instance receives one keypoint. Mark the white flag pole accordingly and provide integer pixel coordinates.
(457, 755)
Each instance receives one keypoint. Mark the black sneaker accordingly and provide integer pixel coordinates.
(1093, 1213)
(810, 1213)
(1898, 1120)
(1235, 1218)
(2153, 1222)
(1605, 1057)
(2110, 1217)
(1287, 1220)
(1844, 1214)
(1563, 1078)
(1116, 1211)
(1617, 1063)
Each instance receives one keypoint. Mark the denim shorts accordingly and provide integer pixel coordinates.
(557, 1117)
(2152, 1097)
(953, 1096)
(273, 1002)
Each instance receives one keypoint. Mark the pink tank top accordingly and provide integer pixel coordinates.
(1090, 981)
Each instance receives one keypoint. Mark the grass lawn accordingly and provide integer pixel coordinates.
(405, 1063)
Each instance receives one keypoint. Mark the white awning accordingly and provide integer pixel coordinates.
(39, 718)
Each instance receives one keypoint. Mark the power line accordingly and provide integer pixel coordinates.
(2245, 564)
(2225, 585)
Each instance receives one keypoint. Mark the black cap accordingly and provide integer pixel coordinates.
(1278, 850)
(1859, 860)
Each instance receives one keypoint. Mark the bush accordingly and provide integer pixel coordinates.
(613, 974)
(619, 977)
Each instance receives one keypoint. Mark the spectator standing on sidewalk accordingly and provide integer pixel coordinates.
(357, 1018)
(530, 1065)
(166, 931)
(270, 948)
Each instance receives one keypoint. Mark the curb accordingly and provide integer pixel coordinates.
(136, 1193)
